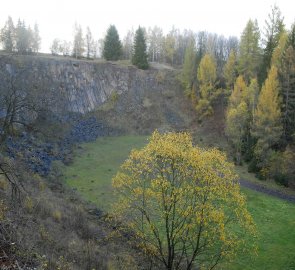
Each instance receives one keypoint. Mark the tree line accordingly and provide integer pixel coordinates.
(157, 47)
(20, 38)
(257, 84)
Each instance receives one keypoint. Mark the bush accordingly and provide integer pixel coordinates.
(57, 215)
(281, 179)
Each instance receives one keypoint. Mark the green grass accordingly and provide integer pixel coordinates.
(275, 221)
(96, 164)
(94, 167)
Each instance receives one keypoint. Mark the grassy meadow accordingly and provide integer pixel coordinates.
(97, 162)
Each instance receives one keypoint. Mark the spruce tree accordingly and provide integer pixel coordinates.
(139, 57)
(112, 49)
(273, 31)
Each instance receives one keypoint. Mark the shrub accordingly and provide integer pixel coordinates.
(57, 215)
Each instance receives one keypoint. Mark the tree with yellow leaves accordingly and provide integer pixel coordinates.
(230, 71)
(182, 202)
(207, 92)
(267, 126)
(237, 117)
(240, 115)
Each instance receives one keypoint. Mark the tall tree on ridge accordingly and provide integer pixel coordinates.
(139, 57)
(7, 36)
(36, 42)
(112, 49)
(78, 44)
(89, 43)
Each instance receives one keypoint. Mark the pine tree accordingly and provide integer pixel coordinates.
(267, 126)
(139, 57)
(22, 38)
(112, 49)
(250, 53)
(7, 36)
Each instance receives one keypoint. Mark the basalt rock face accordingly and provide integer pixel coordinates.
(78, 86)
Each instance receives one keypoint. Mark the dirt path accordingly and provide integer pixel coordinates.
(266, 190)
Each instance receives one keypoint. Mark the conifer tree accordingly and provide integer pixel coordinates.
(287, 79)
(8, 35)
(22, 37)
(189, 67)
(139, 57)
(207, 79)
(250, 53)
(291, 36)
(237, 117)
(230, 70)
(267, 126)
(112, 48)
(274, 28)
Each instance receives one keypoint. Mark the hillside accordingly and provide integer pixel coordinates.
(75, 101)
(60, 218)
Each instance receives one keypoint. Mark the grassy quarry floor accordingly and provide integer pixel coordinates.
(96, 163)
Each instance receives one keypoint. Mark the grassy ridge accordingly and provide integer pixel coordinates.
(95, 165)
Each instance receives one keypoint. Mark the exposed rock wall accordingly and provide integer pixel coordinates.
(79, 86)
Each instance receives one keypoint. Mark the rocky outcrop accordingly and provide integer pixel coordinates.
(80, 85)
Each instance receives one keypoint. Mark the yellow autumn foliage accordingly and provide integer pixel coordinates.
(267, 126)
(182, 202)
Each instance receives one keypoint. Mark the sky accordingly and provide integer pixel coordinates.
(56, 18)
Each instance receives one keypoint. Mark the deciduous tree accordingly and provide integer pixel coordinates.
(267, 125)
(230, 70)
(207, 79)
(182, 202)
(78, 44)
(189, 68)
(249, 51)
(90, 44)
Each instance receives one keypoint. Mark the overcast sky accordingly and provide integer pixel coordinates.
(56, 18)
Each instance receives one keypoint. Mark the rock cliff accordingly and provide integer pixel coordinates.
(81, 85)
